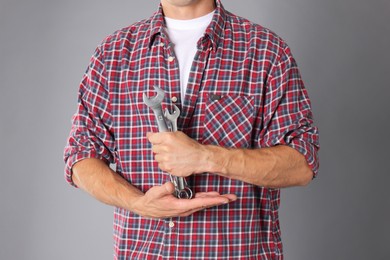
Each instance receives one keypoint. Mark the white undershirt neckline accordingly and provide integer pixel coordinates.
(184, 34)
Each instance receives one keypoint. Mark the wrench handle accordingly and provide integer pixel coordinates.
(162, 125)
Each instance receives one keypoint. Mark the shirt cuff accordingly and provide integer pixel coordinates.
(310, 152)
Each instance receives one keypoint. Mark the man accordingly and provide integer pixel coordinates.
(245, 131)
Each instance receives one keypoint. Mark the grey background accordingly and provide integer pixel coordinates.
(342, 48)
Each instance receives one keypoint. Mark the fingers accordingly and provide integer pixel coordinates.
(208, 200)
(169, 187)
(153, 138)
(230, 197)
(166, 137)
(160, 192)
(204, 200)
(157, 138)
(162, 204)
(206, 194)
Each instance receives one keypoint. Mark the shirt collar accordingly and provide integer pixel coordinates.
(214, 31)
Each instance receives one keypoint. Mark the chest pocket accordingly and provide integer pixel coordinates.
(228, 121)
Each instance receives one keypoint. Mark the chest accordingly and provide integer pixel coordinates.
(222, 103)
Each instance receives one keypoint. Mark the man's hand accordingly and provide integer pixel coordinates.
(274, 167)
(95, 177)
(178, 154)
(159, 202)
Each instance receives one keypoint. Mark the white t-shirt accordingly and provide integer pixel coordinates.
(184, 34)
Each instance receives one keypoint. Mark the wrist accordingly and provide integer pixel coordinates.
(133, 203)
(217, 159)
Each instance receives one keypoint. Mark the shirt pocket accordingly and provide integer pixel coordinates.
(228, 120)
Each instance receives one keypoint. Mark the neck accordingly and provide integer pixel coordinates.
(188, 10)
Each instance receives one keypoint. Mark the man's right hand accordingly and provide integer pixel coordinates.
(159, 202)
(95, 177)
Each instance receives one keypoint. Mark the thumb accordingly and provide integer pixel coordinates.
(169, 188)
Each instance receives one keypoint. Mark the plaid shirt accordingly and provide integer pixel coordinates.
(244, 91)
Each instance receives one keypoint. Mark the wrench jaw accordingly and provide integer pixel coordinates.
(155, 101)
(172, 118)
(174, 115)
(155, 104)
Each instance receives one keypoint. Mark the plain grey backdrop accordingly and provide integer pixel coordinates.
(342, 48)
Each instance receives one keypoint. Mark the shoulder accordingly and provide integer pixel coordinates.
(255, 34)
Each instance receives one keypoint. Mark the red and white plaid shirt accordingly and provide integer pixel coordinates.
(244, 91)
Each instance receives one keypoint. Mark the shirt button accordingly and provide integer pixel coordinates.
(171, 58)
(174, 99)
(162, 44)
(171, 224)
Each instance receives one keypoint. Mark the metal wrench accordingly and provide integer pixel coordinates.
(183, 191)
(155, 104)
(181, 188)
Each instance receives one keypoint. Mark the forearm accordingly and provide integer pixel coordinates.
(275, 167)
(96, 178)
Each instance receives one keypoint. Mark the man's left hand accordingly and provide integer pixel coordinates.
(178, 154)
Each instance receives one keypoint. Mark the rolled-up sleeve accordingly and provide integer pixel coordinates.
(91, 135)
(287, 112)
